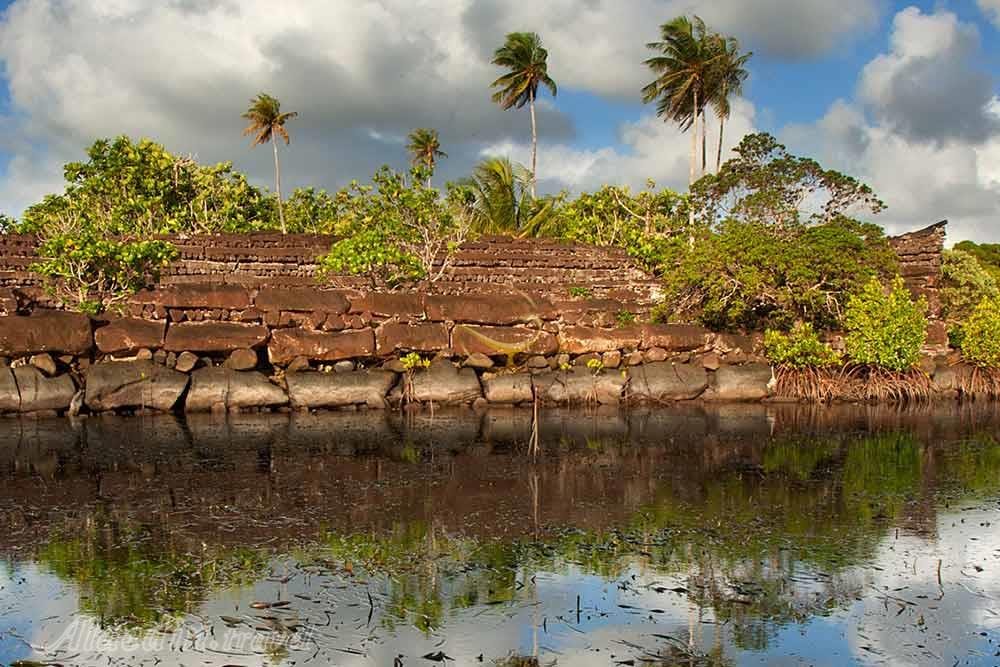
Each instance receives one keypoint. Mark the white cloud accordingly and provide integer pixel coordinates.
(991, 8)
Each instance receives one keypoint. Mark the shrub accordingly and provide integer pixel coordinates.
(885, 328)
(624, 318)
(93, 273)
(981, 334)
(370, 253)
(965, 282)
(799, 348)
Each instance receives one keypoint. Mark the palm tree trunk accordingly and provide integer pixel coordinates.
(718, 155)
(694, 158)
(534, 143)
(277, 184)
(704, 143)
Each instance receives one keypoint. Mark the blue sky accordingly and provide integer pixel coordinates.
(828, 79)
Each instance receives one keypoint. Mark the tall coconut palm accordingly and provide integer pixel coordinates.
(267, 123)
(683, 71)
(425, 147)
(729, 73)
(523, 55)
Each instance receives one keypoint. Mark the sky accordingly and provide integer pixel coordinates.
(903, 96)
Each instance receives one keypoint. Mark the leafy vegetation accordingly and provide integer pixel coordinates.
(980, 334)
(267, 124)
(799, 348)
(965, 282)
(988, 255)
(885, 328)
(425, 149)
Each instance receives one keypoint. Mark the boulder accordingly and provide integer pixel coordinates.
(443, 383)
(130, 334)
(951, 378)
(580, 385)
(287, 344)
(196, 295)
(326, 390)
(393, 336)
(403, 305)
(45, 331)
(38, 392)
(478, 360)
(581, 340)
(214, 336)
(243, 359)
(488, 308)
(45, 363)
(133, 384)
(675, 337)
(496, 341)
(186, 362)
(508, 389)
(749, 382)
(214, 389)
(667, 382)
(301, 299)
(10, 398)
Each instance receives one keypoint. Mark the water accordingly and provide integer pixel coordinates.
(687, 535)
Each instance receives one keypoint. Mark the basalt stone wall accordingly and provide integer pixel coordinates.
(920, 262)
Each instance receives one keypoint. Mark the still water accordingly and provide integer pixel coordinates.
(731, 535)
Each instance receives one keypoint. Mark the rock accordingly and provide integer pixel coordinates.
(711, 361)
(392, 337)
(129, 334)
(217, 389)
(654, 355)
(45, 331)
(301, 299)
(133, 384)
(495, 341)
(580, 340)
(186, 362)
(196, 295)
(144, 355)
(612, 359)
(927, 365)
(508, 389)
(580, 385)
(243, 359)
(394, 365)
(665, 381)
(478, 360)
(538, 362)
(487, 308)
(76, 405)
(41, 393)
(675, 337)
(286, 344)
(951, 378)
(563, 360)
(404, 305)
(297, 364)
(45, 363)
(443, 383)
(322, 390)
(726, 343)
(10, 398)
(634, 358)
(750, 382)
(214, 336)
(584, 359)
(343, 367)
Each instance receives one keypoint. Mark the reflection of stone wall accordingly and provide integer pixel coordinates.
(920, 262)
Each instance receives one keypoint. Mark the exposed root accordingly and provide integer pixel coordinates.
(980, 383)
(853, 383)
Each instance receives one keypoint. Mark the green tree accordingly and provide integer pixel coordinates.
(964, 283)
(988, 255)
(684, 70)
(498, 200)
(981, 334)
(727, 78)
(527, 60)
(267, 123)
(885, 327)
(425, 149)
(7, 224)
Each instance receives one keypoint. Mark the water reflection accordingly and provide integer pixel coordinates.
(673, 536)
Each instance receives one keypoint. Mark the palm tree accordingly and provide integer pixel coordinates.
(500, 201)
(425, 148)
(729, 73)
(523, 55)
(267, 123)
(683, 72)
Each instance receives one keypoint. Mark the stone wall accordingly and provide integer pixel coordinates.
(920, 262)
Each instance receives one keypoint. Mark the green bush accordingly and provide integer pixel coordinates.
(93, 273)
(371, 254)
(965, 282)
(981, 334)
(885, 328)
(799, 348)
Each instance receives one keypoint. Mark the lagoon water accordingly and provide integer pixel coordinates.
(687, 535)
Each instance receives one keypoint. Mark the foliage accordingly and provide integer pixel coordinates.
(728, 74)
(522, 54)
(988, 255)
(800, 348)
(126, 188)
(578, 292)
(885, 328)
(624, 318)
(498, 200)
(267, 124)
(964, 284)
(425, 148)
(311, 211)
(413, 361)
(766, 184)
(7, 224)
(981, 334)
(682, 68)
(751, 275)
(395, 231)
(92, 272)
(596, 365)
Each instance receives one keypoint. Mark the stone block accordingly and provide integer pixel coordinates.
(581, 340)
(45, 331)
(217, 389)
(287, 344)
(214, 336)
(508, 389)
(402, 305)
(580, 386)
(392, 336)
(749, 382)
(39, 393)
(488, 308)
(496, 341)
(445, 384)
(133, 384)
(667, 382)
(326, 390)
(674, 337)
(130, 334)
(197, 295)
(301, 299)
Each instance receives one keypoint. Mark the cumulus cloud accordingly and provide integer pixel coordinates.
(991, 8)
